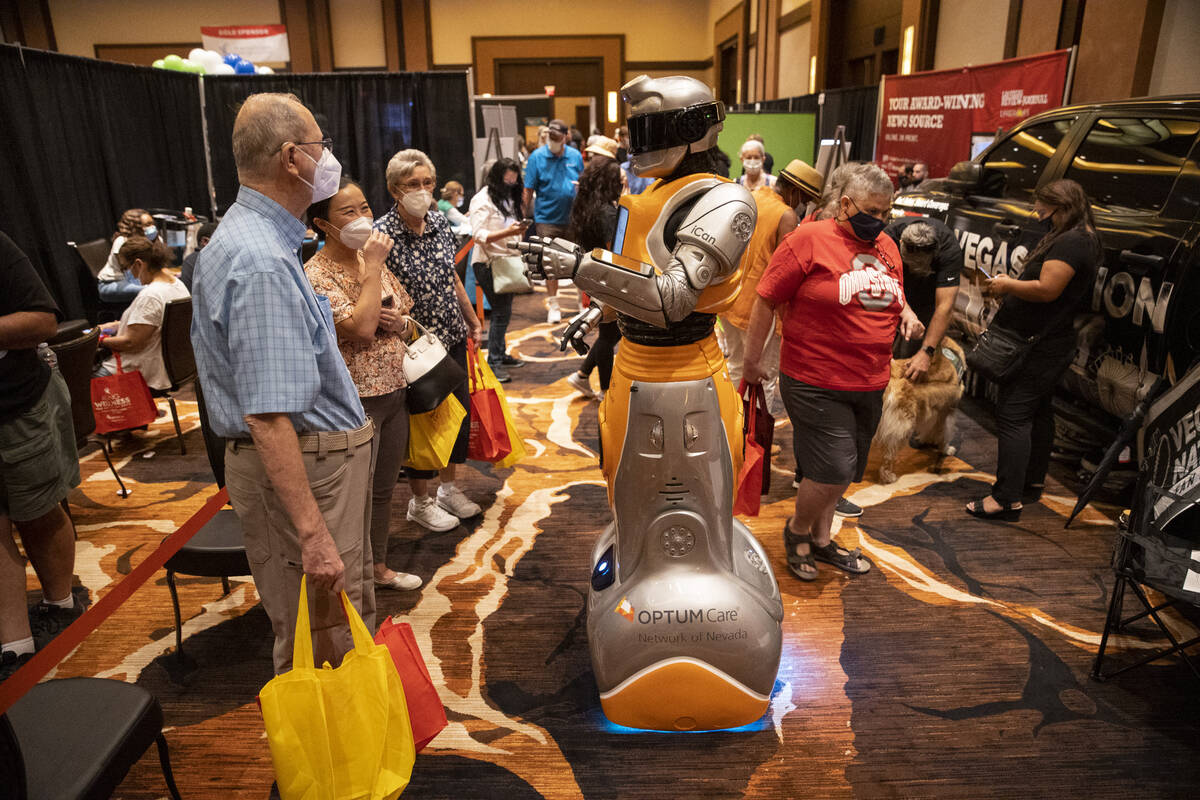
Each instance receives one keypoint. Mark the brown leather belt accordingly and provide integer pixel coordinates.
(322, 442)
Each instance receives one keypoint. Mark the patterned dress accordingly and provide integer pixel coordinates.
(425, 266)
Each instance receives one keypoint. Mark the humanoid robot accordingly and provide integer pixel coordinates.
(684, 614)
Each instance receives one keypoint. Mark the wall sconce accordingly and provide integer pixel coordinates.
(612, 107)
(812, 75)
(906, 53)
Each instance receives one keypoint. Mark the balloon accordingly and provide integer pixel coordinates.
(173, 62)
(244, 67)
(197, 54)
(211, 60)
(264, 70)
(159, 64)
(221, 69)
(232, 58)
(187, 65)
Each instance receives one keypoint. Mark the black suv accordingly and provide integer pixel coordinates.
(1137, 161)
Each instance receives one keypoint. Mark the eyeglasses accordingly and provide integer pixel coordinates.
(326, 144)
(415, 185)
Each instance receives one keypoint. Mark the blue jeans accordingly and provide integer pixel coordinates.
(122, 291)
(501, 313)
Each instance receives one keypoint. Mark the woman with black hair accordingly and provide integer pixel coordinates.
(495, 216)
(368, 305)
(1054, 285)
(592, 224)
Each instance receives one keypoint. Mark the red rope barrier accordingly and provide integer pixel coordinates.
(45, 659)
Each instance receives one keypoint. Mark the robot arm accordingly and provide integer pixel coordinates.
(709, 245)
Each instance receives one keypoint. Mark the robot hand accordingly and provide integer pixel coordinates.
(549, 258)
(578, 328)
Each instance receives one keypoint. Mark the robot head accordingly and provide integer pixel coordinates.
(668, 118)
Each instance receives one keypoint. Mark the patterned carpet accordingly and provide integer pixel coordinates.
(958, 667)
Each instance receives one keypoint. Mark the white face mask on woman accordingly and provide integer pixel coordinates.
(752, 166)
(417, 203)
(355, 233)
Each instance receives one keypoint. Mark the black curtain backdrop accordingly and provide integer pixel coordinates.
(83, 140)
(854, 108)
(369, 115)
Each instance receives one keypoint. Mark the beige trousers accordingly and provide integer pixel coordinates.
(341, 483)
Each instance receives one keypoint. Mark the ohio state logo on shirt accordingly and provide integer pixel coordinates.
(868, 279)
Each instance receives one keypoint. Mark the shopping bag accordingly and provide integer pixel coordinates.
(122, 401)
(489, 433)
(338, 733)
(764, 425)
(425, 710)
(431, 435)
(756, 461)
(488, 381)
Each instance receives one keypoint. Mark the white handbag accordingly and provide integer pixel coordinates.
(430, 372)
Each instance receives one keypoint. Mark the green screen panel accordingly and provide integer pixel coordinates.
(786, 136)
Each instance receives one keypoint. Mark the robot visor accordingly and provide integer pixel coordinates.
(679, 126)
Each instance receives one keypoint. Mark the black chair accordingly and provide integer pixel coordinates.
(78, 737)
(93, 256)
(75, 359)
(218, 549)
(177, 356)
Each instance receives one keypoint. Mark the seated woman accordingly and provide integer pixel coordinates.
(368, 306)
(117, 285)
(138, 336)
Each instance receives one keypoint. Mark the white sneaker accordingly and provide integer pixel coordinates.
(425, 512)
(451, 498)
(553, 313)
(580, 384)
(401, 581)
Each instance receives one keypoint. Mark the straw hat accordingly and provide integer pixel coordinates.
(803, 176)
(603, 146)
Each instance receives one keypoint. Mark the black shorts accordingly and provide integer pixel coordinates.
(831, 430)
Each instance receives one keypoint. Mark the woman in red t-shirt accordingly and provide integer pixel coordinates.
(841, 284)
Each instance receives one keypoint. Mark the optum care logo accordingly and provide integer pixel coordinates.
(688, 615)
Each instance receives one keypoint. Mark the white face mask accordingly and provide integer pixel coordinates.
(355, 233)
(416, 203)
(555, 147)
(752, 165)
(326, 176)
(458, 203)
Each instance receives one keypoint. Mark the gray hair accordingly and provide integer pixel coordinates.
(835, 187)
(865, 180)
(264, 122)
(919, 234)
(402, 165)
(754, 142)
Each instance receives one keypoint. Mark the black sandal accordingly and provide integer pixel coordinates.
(1008, 512)
(795, 560)
(840, 557)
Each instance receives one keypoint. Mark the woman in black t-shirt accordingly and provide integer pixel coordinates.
(1054, 285)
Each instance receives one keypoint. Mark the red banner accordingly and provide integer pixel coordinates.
(932, 116)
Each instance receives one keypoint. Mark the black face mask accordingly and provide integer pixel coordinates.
(622, 155)
(1045, 224)
(865, 226)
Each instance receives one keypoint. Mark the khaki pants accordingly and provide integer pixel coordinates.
(735, 347)
(341, 483)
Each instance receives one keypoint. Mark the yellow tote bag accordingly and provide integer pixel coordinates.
(341, 733)
(488, 381)
(431, 436)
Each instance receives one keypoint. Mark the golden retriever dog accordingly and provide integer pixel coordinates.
(924, 410)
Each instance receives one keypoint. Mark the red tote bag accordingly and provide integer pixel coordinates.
(489, 432)
(763, 431)
(756, 462)
(122, 401)
(425, 710)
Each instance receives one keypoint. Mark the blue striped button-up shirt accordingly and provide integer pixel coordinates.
(264, 341)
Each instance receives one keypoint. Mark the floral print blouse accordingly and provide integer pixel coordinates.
(425, 265)
(376, 368)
